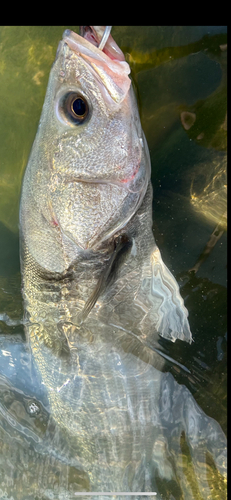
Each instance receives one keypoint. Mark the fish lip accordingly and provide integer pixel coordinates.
(111, 50)
(73, 40)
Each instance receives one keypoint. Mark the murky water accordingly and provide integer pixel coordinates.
(180, 77)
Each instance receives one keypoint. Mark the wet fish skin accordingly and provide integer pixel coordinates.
(84, 183)
(84, 186)
(65, 159)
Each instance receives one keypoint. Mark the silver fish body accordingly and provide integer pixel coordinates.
(87, 183)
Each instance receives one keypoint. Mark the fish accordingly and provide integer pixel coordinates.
(97, 294)
(87, 182)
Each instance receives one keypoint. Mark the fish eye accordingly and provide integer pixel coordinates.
(77, 107)
(73, 107)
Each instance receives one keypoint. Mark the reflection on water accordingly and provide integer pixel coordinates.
(209, 191)
(181, 441)
(180, 76)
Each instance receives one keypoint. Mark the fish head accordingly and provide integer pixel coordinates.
(89, 166)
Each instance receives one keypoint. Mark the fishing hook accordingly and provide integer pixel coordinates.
(104, 37)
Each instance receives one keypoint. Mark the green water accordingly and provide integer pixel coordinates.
(176, 70)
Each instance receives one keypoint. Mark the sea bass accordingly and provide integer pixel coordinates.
(87, 190)
(97, 294)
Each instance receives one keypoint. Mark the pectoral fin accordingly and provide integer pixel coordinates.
(166, 312)
(173, 315)
(121, 243)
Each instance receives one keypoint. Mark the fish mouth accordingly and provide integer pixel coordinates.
(94, 34)
(90, 40)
